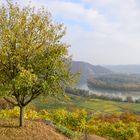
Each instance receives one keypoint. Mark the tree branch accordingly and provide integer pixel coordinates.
(10, 101)
(34, 95)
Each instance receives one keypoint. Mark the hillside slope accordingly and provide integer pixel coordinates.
(33, 130)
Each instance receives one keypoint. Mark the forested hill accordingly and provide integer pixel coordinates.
(87, 70)
(119, 82)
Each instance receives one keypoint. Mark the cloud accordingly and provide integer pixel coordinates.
(99, 31)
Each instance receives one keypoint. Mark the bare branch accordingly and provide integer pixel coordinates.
(34, 95)
(10, 101)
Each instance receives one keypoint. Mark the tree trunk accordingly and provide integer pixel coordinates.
(86, 138)
(21, 119)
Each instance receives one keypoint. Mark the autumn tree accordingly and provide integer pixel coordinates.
(33, 58)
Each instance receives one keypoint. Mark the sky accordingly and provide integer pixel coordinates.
(101, 32)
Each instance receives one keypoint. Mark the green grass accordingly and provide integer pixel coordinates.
(88, 104)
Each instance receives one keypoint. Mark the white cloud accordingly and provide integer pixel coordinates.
(114, 28)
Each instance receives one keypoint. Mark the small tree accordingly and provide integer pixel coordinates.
(33, 59)
(129, 99)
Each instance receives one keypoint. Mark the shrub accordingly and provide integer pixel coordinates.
(73, 120)
(67, 132)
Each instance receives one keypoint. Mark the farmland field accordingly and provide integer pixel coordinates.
(92, 105)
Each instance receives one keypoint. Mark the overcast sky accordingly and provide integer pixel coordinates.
(99, 31)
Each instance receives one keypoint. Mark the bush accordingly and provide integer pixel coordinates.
(73, 120)
(9, 113)
(67, 132)
(125, 129)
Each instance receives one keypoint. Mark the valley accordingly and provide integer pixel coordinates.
(102, 80)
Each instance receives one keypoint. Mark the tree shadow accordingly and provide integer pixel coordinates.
(10, 123)
(9, 126)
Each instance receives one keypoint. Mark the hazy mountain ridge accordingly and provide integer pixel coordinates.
(87, 70)
(127, 69)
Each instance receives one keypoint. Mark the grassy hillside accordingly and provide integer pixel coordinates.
(33, 130)
(74, 118)
(73, 123)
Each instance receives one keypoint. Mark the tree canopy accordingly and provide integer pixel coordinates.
(33, 58)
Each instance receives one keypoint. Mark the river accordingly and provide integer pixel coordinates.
(122, 94)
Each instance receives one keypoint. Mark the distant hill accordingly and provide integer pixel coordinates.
(126, 69)
(87, 70)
